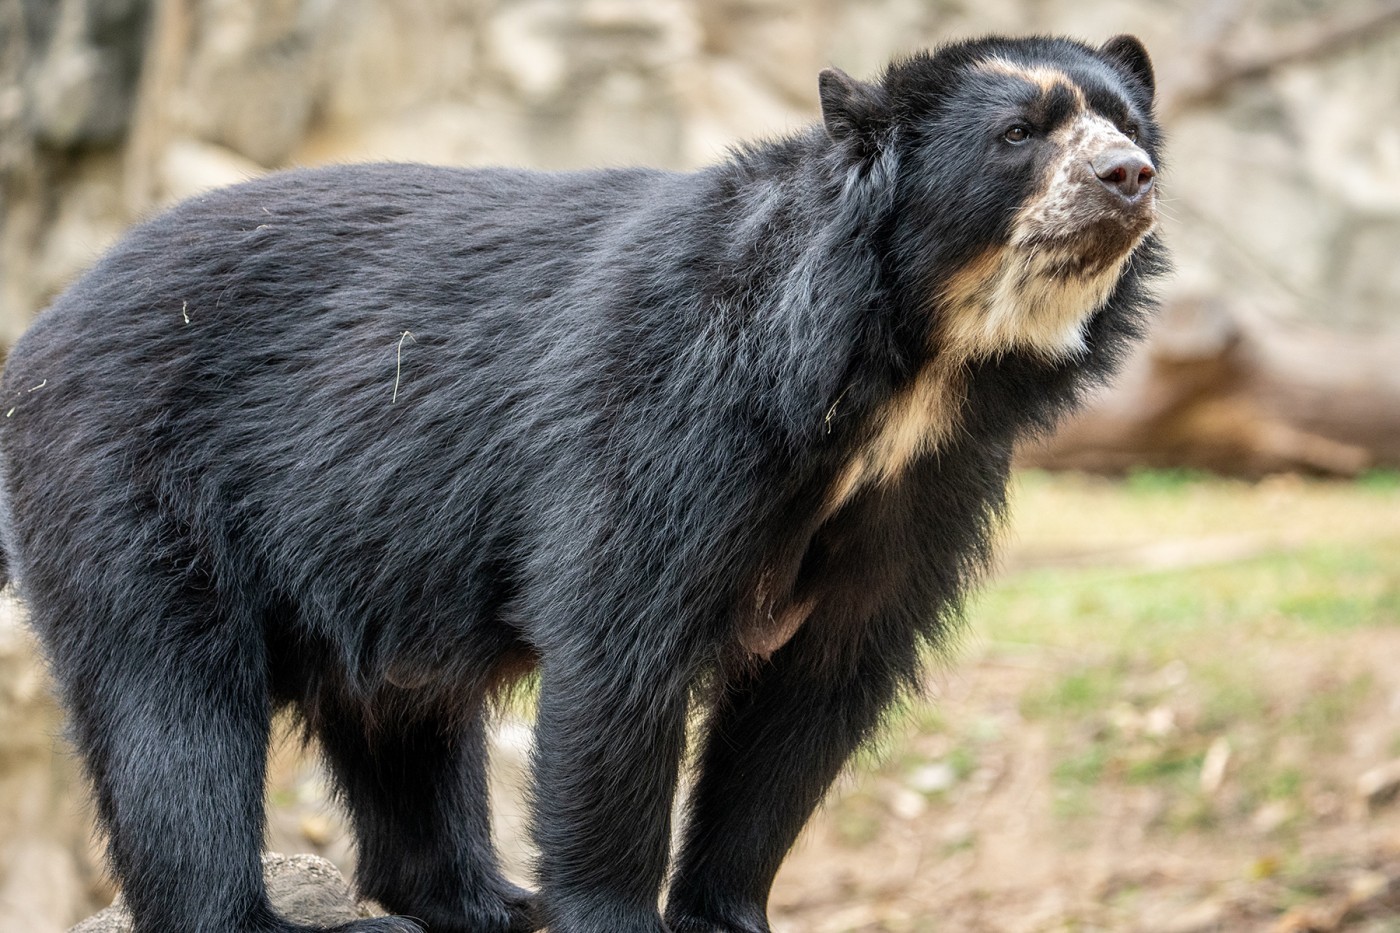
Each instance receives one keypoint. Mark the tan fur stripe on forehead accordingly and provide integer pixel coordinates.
(1042, 76)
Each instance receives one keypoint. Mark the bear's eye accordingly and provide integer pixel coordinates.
(1017, 133)
(1131, 131)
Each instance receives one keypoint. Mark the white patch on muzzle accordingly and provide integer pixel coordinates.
(1024, 300)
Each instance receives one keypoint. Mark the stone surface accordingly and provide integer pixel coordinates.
(84, 60)
(303, 888)
(1379, 786)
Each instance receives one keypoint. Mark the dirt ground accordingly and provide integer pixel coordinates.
(1175, 709)
(1007, 848)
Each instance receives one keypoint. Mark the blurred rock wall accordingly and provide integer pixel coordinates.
(1284, 115)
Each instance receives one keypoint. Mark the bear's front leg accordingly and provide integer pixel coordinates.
(776, 741)
(608, 742)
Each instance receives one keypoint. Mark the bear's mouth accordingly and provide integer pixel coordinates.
(1036, 293)
(1097, 245)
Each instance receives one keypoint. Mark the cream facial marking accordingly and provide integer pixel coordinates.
(1033, 294)
(1066, 251)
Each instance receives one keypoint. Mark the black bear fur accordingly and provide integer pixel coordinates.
(375, 441)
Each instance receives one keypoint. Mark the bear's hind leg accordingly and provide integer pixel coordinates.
(416, 791)
(169, 706)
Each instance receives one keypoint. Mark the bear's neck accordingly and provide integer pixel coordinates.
(809, 286)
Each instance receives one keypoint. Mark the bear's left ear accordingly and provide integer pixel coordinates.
(854, 112)
(1129, 52)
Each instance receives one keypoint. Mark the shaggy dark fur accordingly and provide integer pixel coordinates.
(374, 441)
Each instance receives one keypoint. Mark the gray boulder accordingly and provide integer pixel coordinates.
(303, 888)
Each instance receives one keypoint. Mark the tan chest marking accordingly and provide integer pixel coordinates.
(911, 424)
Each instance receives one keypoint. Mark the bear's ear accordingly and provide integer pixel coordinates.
(853, 111)
(1129, 52)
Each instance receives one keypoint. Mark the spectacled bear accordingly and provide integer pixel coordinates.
(372, 442)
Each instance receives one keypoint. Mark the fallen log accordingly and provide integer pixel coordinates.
(1216, 391)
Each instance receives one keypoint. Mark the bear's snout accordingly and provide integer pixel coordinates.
(1126, 172)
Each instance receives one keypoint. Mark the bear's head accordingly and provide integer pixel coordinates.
(1021, 174)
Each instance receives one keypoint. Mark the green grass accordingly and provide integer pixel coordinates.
(1074, 695)
(1380, 480)
(1084, 767)
(1320, 588)
(1231, 693)
(1150, 482)
(1322, 717)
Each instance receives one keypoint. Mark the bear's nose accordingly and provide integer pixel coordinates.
(1125, 171)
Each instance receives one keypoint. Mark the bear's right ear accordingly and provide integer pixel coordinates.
(854, 112)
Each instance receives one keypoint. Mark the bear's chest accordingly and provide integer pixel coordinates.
(849, 558)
